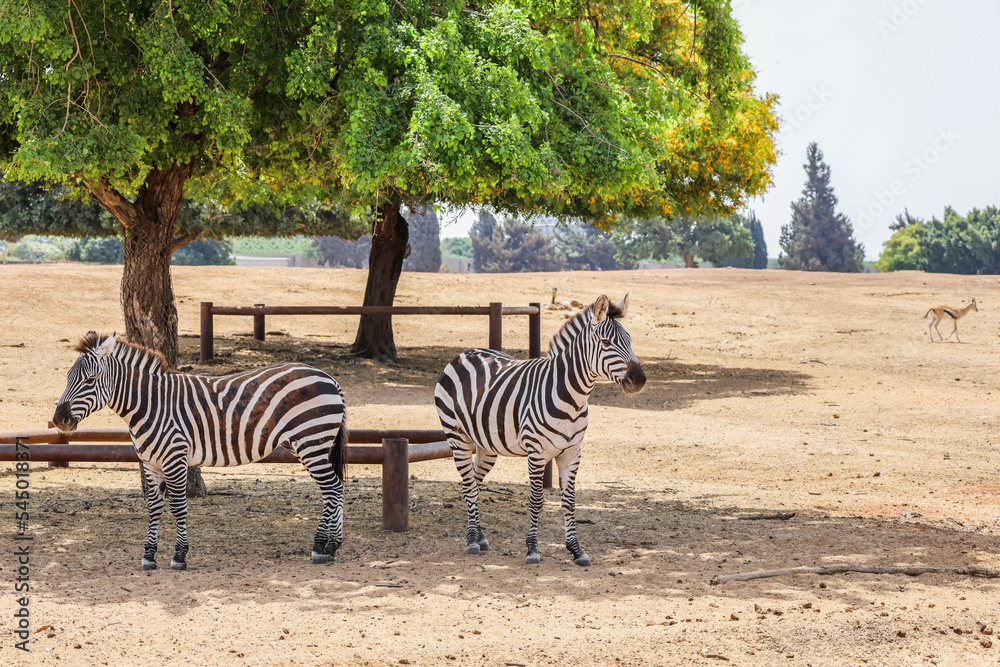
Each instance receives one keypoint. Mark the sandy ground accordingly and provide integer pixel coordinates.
(768, 392)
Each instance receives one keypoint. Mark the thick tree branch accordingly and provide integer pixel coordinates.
(183, 240)
(120, 208)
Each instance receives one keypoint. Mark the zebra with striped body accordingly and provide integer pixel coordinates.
(491, 404)
(178, 419)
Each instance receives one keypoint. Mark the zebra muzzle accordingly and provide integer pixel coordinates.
(635, 378)
(63, 419)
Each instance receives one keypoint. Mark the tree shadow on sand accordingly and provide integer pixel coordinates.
(250, 543)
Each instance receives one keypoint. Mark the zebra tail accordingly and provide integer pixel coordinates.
(338, 453)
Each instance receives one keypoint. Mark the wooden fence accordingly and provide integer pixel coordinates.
(495, 311)
(398, 448)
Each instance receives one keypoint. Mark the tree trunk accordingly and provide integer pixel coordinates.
(385, 263)
(689, 262)
(147, 293)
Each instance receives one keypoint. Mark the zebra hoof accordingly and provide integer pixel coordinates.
(178, 565)
(148, 564)
(533, 558)
(320, 559)
(473, 549)
(583, 560)
(484, 544)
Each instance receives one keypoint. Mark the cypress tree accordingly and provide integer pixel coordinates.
(759, 244)
(819, 238)
(425, 242)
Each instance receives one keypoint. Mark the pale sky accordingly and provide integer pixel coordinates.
(901, 96)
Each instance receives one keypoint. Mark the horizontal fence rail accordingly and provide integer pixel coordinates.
(399, 448)
(495, 311)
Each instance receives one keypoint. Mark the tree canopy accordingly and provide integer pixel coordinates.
(641, 107)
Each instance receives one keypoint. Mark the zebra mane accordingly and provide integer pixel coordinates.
(93, 340)
(576, 324)
(90, 342)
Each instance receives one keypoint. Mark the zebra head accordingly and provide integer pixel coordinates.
(613, 356)
(88, 385)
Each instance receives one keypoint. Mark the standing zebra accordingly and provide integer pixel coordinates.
(177, 419)
(491, 404)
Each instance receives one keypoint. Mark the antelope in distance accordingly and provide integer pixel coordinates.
(938, 313)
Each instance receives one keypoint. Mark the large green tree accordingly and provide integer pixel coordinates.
(582, 109)
(818, 238)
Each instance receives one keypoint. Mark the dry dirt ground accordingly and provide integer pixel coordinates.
(768, 392)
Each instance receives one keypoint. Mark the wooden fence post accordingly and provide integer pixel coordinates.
(396, 485)
(63, 440)
(258, 324)
(496, 326)
(535, 332)
(207, 332)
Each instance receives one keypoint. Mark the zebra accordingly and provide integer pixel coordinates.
(491, 404)
(180, 419)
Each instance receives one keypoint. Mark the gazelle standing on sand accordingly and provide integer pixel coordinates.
(938, 313)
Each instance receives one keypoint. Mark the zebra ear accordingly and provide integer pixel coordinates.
(623, 306)
(601, 307)
(105, 348)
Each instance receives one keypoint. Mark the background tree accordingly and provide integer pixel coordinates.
(818, 238)
(904, 250)
(204, 252)
(588, 249)
(511, 246)
(710, 239)
(425, 242)
(457, 247)
(759, 243)
(335, 251)
(758, 257)
(903, 219)
(966, 244)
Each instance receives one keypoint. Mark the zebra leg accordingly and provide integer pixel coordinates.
(464, 454)
(330, 532)
(484, 463)
(568, 461)
(175, 474)
(536, 466)
(154, 502)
